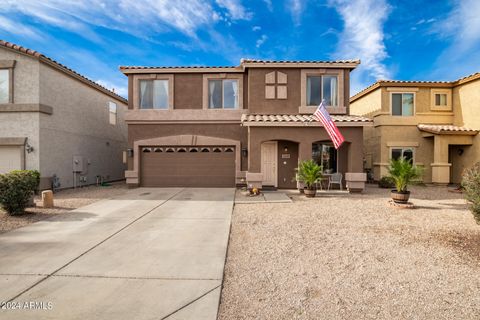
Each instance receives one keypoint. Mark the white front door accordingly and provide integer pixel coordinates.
(269, 163)
(10, 158)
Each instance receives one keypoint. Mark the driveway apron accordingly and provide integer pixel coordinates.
(151, 253)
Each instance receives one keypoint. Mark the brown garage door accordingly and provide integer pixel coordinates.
(209, 166)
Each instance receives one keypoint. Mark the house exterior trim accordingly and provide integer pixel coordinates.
(41, 108)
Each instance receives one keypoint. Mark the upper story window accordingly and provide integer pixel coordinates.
(440, 99)
(322, 87)
(223, 94)
(402, 104)
(112, 113)
(397, 153)
(4, 86)
(154, 94)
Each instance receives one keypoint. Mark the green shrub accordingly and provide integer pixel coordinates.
(309, 172)
(16, 188)
(386, 182)
(471, 184)
(403, 172)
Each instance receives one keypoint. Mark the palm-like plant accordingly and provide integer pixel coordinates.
(403, 172)
(309, 172)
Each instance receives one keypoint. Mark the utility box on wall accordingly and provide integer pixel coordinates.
(79, 164)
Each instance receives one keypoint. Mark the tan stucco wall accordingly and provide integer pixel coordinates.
(396, 131)
(368, 104)
(26, 91)
(79, 125)
(466, 105)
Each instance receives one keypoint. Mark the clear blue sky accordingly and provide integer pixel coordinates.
(406, 40)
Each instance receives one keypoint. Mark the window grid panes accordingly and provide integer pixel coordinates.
(223, 94)
(402, 104)
(154, 94)
(4, 86)
(407, 153)
(440, 99)
(322, 87)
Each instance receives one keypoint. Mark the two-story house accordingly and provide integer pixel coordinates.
(433, 123)
(54, 120)
(252, 123)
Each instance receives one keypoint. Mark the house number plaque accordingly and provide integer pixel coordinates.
(286, 156)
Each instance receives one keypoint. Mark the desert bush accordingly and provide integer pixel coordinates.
(471, 185)
(386, 182)
(16, 188)
(403, 172)
(309, 172)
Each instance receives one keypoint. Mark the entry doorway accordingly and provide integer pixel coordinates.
(269, 167)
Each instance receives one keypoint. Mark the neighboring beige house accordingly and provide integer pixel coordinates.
(253, 123)
(434, 123)
(58, 122)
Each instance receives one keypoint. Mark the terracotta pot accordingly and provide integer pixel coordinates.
(400, 197)
(310, 193)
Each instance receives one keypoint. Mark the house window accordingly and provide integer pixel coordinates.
(154, 94)
(402, 104)
(112, 113)
(322, 87)
(440, 99)
(325, 155)
(4, 86)
(223, 94)
(397, 153)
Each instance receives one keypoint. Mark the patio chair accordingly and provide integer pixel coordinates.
(335, 178)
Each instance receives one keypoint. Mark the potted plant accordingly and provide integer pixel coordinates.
(309, 172)
(402, 171)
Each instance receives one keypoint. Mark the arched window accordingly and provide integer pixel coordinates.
(193, 150)
(170, 150)
(205, 150)
(158, 150)
(181, 150)
(228, 149)
(146, 150)
(217, 150)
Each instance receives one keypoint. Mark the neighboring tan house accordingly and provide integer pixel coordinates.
(222, 126)
(434, 123)
(58, 122)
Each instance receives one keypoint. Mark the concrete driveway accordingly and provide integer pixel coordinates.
(149, 254)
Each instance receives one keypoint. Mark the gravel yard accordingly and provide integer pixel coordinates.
(64, 200)
(354, 257)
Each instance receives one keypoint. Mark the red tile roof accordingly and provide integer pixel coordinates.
(446, 129)
(60, 67)
(242, 64)
(298, 118)
(379, 83)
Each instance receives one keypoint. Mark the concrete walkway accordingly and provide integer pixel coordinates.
(149, 254)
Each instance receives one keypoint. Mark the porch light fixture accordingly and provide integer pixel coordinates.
(460, 151)
(29, 148)
(285, 149)
(244, 152)
(130, 153)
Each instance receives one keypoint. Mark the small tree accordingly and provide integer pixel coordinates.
(471, 184)
(309, 172)
(16, 188)
(403, 172)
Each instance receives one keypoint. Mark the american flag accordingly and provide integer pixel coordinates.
(322, 115)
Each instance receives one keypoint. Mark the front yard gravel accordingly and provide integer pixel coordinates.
(354, 257)
(64, 201)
